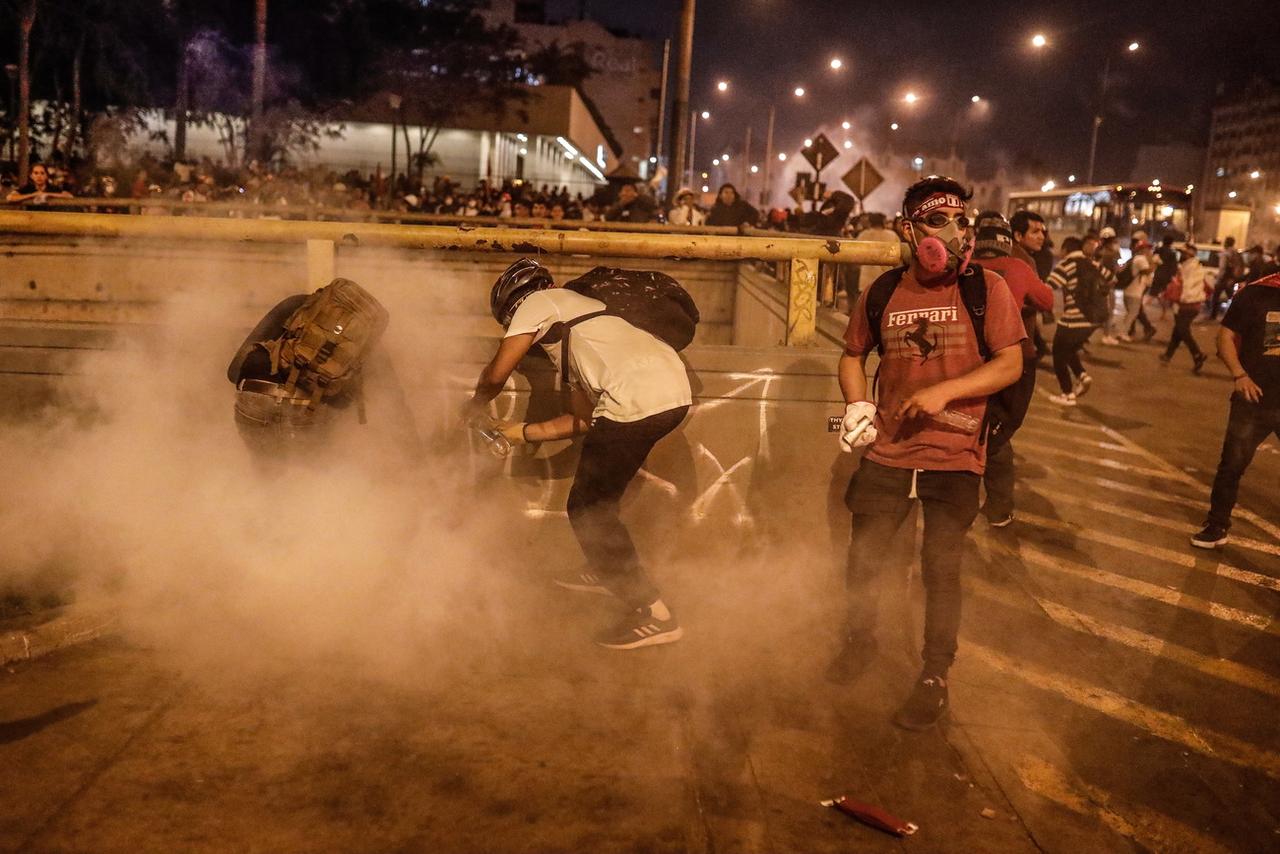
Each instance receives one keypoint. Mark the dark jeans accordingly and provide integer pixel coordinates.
(611, 455)
(1067, 342)
(879, 498)
(1182, 331)
(1247, 427)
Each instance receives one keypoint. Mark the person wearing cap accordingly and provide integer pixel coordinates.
(1142, 268)
(994, 251)
(1194, 293)
(1230, 270)
(923, 433)
(686, 210)
(629, 390)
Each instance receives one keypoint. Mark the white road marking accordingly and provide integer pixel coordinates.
(1219, 668)
(1147, 590)
(1158, 521)
(1042, 450)
(1185, 560)
(1163, 725)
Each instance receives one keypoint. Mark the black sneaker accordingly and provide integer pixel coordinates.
(1001, 521)
(1210, 538)
(583, 580)
(640, 628)
(925, 706)
(1201, 358)
(851, 661)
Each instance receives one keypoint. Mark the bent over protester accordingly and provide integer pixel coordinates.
(629, 389)
(924, 434)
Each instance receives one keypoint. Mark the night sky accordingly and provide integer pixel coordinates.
(1040, 104)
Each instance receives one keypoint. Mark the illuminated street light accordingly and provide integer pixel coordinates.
(754, 169)
(1048, 185)
(1232, 194)
(723, 86)
(1071, 179)
(1155, 182)
(705, 175)
(848, 143)
(910, 97)
(1038, 40)
(893, 126)
(705, 114)
(836, 63)
(808, 143)
(976, 98)
(782, 156)
(918, 162)
(1255, 174)
(706, 189)
(845, 125)
(799, 91)
(715, 162)
(523, 152)
(1133, 46)
(653, 160)
(724, 157)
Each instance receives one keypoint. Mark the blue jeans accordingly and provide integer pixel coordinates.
(1247, 427)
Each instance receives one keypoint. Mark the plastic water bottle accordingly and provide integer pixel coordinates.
(957, 421)
(492, 437)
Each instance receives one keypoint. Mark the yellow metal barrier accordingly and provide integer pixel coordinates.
(321, 238)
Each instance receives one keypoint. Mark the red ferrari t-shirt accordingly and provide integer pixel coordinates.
(928, 338)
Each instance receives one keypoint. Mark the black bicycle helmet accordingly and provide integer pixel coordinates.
(517, 282)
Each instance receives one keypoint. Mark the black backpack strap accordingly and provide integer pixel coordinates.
(878, 296)
(563, 328)
(973, 292)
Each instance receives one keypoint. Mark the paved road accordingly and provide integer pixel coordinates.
(1116, 690)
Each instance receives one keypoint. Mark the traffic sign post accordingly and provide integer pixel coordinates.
(863, 179)
(820, 154)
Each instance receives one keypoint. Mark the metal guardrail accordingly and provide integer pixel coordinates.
(253, 210)
(322, 239)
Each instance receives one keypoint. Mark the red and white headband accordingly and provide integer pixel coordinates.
(937, 200)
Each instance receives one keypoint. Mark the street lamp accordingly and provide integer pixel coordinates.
(845, 125)
(1133, 46)
(1038, 40)
(782, 156)
(976, 98)
(799, 91)
(723, 86)
(893, 126)
(808, 143)
(836, 63)
(704, 115)
(910, 98)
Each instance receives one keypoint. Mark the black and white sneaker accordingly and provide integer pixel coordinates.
(640, 628)
(1210, 538)
(583, 580)
(1001, 521)
(925, 706)
(1082, 385)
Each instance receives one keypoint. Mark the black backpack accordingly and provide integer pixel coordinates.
(1005, 408)
(647, 299)
(1124, 278)
(1091, 293)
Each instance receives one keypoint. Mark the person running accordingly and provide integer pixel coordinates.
(1230, 269)
(630, 389)
(1190, 300)
(1249, 345)
(912, 454)
(1074, 275)
(994, 248)
(1141, 271)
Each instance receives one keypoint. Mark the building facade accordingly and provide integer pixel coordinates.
(625, 86)
(1239, 194)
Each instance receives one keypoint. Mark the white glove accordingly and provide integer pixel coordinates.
(858, 428)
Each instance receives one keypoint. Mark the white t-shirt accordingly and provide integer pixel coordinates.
(1143, 272)
(629, 373)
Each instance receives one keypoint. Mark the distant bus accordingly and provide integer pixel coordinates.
(1127, 208)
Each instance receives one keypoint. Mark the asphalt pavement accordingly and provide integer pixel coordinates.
(1115, 691)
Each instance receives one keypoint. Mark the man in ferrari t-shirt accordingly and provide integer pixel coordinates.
(923, 434)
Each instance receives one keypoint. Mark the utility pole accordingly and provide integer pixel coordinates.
(1097, 120)
(662, 108)
(768, 156)
(256, 141)
(684, 64)
(746, 166)
(693, 138)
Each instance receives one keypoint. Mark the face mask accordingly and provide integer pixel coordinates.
(944, 254)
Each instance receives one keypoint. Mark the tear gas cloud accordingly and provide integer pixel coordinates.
(138, 486)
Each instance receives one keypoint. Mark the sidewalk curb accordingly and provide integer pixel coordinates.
(77, 624)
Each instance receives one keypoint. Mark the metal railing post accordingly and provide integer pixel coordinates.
(802, 313)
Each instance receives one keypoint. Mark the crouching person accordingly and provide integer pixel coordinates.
(306, 368)
(629, 389)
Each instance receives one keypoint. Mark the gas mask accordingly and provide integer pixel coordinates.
(944, 254)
